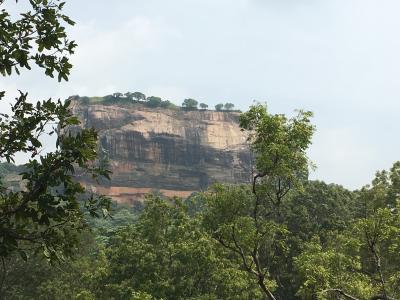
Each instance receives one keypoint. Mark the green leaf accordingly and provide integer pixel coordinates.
(46, 252)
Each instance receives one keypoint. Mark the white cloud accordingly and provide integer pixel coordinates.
(343, 156)
(112, 59)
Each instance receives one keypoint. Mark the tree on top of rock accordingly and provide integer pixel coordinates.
(190, 103)
(219, 107)
(153, 101)
(203, 106)
(229, 106)
(138, 96)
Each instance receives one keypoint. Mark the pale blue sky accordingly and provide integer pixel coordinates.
(337, 58)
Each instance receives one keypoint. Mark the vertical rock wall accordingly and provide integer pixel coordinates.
(174, 151)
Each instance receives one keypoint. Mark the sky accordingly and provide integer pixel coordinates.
(337, 58)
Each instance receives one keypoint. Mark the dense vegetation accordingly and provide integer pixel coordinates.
(138, 98)
(328, 243)
(43, 214)
(281, 237)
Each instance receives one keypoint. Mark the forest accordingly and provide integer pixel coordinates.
(281, 237)
(325, 243)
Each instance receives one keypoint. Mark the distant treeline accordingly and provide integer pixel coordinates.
(151, 101)
(9, 168)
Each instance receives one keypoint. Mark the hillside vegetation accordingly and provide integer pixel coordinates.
(138, 98)
(281, 237)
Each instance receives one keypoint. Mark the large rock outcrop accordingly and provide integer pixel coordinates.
(175, 152)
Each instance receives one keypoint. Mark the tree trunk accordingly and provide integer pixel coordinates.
(267, 293)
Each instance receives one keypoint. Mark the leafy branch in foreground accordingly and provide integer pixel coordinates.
(46, 215)
(37, 35)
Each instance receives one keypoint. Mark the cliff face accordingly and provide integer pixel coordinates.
(176, 152)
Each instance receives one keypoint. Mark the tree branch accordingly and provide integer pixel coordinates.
(350, 297)
(340, 292)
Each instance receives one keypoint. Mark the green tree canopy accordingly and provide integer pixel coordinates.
(361, 261)
(163, 243)
(117, 95)
(229, 106)
(37, 36)
(203, 106)
(279, 145)
(138, 96)
(219, 107)
(129, 96)
(167, 104)
(46, 216)
(248, 220)
(153, 101)
(190, 103)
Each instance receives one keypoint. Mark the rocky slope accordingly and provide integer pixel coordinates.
(174, 151)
